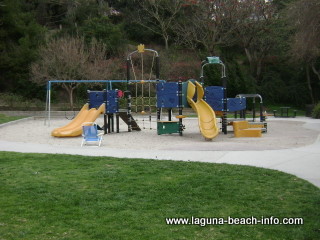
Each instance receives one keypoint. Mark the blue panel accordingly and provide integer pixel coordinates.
(215, 104)
(112, 101)
(214, 97)
(213, 92)
(110, 97)
(236, 104)
(96, 98)
(167, 95)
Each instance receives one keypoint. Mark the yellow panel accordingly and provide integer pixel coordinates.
(141, 48)
(256, 125)
(242, 129)
(181, 116)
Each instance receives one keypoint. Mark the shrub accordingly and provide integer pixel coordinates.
(15, 101)
(316, 111)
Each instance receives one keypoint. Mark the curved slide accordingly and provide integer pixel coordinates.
(74, 128)
(206, 116)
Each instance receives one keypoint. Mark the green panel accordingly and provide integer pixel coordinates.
(168, 127)
(213, 59)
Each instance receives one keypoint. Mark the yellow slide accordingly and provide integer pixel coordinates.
(206, 116)
(74, 128)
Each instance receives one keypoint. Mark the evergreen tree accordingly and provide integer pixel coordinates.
(19, 37)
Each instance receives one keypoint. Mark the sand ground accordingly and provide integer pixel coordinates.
(281, 134)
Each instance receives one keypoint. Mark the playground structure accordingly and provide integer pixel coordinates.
(217, 101)
(149, 91)
(74, 128)
(206, 116)
(243, 111)
(216, 97)
(170, 96)
(104, 102)
(110, 97)
(244, 129)
(181, 95)
(141, 83)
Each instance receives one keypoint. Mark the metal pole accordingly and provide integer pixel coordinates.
(254, 110)
(117, 122)
(158, 114)
(225, 105)
(49, 104)
(105, 120)
(157, 67)
(109, 123)
(180, 107)
(112, 122)
(128, 72)
(46, 109)
(204, 63)
(262, 117)
(129, 112)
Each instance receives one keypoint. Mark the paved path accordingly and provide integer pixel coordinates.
(303, 162)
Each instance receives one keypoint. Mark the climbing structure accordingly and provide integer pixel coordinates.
(142, 77)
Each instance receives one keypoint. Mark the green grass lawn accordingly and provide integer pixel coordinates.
(45, 196)
(5, 119)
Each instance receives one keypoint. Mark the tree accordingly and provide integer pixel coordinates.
(206, 25)
(158, 16)
(20, 36)
(77, 12)
(67, 14)
(303, 15)
(256, 32)
(69, 58)
(102, 29)
(216, 24)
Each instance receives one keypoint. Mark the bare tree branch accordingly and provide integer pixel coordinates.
(158, 16)
(69, 59)
(303, 15)
(207, 24)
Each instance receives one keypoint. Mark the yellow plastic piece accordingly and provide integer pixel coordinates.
(168, 121)
(256, 125)
(218, 113)
(243, 129)
(143, 112)
(74, 128)
(181, 116)
(141, 48)
(206, 116)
